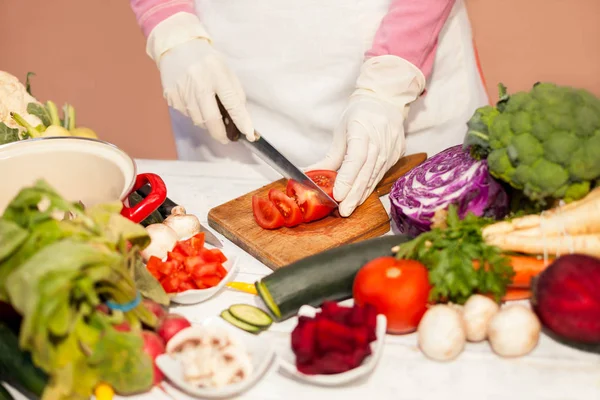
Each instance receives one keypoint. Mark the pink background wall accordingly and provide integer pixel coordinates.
(92, 54)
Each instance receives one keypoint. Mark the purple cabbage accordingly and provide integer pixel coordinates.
(449, 177)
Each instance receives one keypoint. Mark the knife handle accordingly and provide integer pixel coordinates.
(233, 133)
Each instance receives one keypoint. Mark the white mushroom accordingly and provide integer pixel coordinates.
(185, 225)
(162, 240)
(441, 333)
(477, 312)
(514, 331)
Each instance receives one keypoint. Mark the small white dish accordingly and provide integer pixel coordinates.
(287, 358)
(260, 350)
(200, 295)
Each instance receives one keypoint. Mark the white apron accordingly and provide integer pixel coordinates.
(298, 62)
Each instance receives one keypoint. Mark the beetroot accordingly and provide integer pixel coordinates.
(171, 325)
(303, 339)
(154, 346)
(566, 297)
(336, 340)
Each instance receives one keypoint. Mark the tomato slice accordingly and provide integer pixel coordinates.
(170, 284)
(324, 178)
(187, 285)
(197, 241)
(292, 215)
(267, 216)
(221, 271)
(168, 267)
(211, 280)
(308, 201)
(184, 249)
(173, 256)
(205, 270)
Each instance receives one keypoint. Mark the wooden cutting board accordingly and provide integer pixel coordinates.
(280, 247)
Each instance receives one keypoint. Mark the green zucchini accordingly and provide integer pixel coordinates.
(328, 275)
(16, 367)
(251, 315)
(226, 315)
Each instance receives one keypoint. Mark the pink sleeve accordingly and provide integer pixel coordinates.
(410, 30)
(150, 13)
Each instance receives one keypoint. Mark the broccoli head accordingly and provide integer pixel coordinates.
(544, 142)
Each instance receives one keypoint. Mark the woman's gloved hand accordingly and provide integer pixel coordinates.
(192, 72)
(369, 138)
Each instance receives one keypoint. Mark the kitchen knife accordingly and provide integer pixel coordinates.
(274, 158)
(165, 210)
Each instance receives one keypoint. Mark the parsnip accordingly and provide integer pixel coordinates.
(582, 244)
(579, 217)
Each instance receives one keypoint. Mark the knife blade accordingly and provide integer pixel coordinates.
(273, 157)
(165, 210)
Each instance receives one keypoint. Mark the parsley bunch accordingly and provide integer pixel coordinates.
(453, 256)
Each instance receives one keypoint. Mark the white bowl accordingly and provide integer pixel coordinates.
(261, 354)
(287, 358)
(199, 295)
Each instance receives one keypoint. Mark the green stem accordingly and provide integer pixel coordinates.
(33, 132)
(53, 111)
(71, 114)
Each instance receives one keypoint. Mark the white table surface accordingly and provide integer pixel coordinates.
(551, 371)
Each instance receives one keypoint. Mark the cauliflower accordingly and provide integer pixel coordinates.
(14, 98)
(544, 142)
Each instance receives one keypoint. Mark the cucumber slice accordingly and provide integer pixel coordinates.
(251, 315)
(226, 315)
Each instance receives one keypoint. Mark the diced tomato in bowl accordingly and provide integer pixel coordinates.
(192, 272)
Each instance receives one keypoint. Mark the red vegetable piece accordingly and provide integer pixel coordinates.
(325, 179)
(184, 249)
(197, 241)
(333, 362)
(204, 270)
(170, 284)
(174, 256)
(211, 280)
(287, 206)
(265, 213)
(221, 271)
(168, 267)
(311, 206)
(333, 336)
(303, 339)
(333, 311)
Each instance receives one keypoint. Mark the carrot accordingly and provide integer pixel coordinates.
(525, 267)
(582, 244)
(517, 294)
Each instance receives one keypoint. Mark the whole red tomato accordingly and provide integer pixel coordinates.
(399, 289)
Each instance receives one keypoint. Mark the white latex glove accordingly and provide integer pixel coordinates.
(193, 72)
(369, 139)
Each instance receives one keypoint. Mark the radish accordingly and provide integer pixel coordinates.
(123, 327)
(171, 325)
(154, 346)
(155, 309)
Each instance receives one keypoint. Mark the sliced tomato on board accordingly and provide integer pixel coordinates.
(324, 179)
(267, 216)
(311, 206)
(287, 206)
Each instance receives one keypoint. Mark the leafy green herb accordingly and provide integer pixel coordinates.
(450, 253)
(7, 134)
